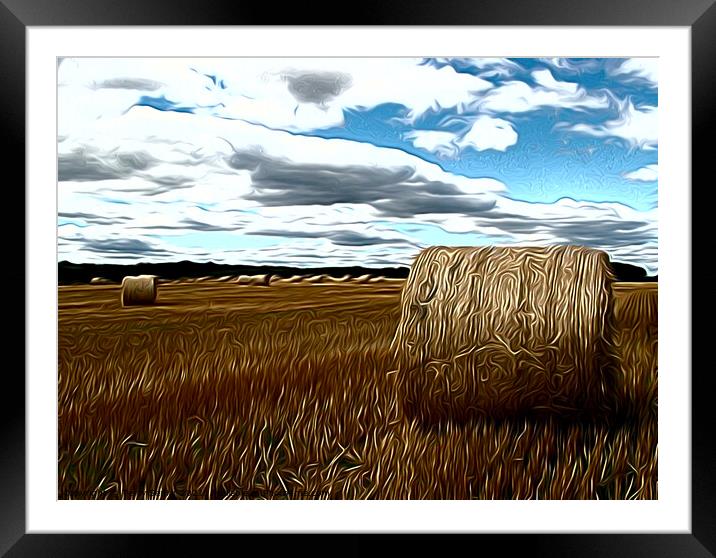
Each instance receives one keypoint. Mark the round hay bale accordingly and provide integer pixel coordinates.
(139, 290)
(496, 331)
(100, 281)
(260, 280)
(288, 280)
(636, 308)
(362, 279)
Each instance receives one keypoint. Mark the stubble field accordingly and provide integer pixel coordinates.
(222, 390)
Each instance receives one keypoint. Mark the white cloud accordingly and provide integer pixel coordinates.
(649, 173)
(546, 80)
(518, 96)
(490, 67)
(638, 126)
(485, 133)
(216, 197)
(100, 217)
(269, 91)
(438, 142)
(490, 133)
(647, 68)
(163, 183)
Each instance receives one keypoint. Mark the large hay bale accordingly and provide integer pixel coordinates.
(636, 321)
(636, 305)
(138, 290)
(496, 331)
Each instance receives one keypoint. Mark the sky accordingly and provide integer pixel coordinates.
(321, 162)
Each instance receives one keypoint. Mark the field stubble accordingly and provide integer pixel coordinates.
(225, 391)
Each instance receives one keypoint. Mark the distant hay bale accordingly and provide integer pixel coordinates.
(100, 281)
(139, 290)
(378, 279)
(316, 279)
(496, 331)
(262, 280)
(287, 280)
(343, 279)
(362, 279)
(255, 280)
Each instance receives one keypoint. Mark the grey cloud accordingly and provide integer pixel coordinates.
(200, 226)
(171, 180)
(129, 246)
(193, 225)
(317, 87)
(341, 238)
(92, 218)
(128, 83)
(607, 231)
(422, 203)
(395, 192)
(166, 184)
(86, 164)
(150, 191)
(246, 160)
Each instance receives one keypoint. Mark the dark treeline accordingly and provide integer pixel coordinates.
(71, 273)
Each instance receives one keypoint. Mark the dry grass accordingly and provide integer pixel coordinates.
(228, 391)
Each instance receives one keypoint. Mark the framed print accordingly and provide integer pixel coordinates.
(403, 276)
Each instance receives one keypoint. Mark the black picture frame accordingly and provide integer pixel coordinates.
(17, 15)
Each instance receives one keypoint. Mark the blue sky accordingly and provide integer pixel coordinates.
(354, 161)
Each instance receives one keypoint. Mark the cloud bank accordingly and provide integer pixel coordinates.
(226, 161)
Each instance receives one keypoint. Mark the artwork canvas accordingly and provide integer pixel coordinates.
(357, 278)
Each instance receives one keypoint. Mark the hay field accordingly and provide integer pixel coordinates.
(238, 391)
